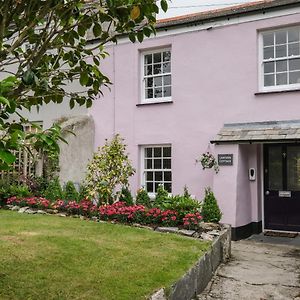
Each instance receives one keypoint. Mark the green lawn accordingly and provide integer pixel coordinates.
(50, 257)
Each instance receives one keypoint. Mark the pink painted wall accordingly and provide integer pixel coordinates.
(214, 81)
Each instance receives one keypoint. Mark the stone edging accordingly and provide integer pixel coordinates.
(197, 278)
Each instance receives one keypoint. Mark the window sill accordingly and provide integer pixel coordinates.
(277, 92)
(154, 103)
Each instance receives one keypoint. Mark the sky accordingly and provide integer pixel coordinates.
(184, 7)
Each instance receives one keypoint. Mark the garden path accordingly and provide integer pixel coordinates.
(257, 271)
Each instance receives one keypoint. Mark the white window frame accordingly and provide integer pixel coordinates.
(144, 170)
(145, 100)
(274, 88)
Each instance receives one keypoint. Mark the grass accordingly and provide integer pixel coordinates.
(49, 257)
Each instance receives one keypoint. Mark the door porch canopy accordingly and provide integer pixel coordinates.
(259, 133)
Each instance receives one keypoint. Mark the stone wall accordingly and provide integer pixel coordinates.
(197, 278)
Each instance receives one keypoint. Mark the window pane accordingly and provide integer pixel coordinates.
(167, 67)
(167, 176)
(294, 49)
(149, 82)
(167, 91)
(168, 187)
(280, 37)
(167, 163)
(167, 80)
(156, 185)
(268, 39)
(157, 152)
(293, 168)
(269, 80)
(167, 151)
(167, 56)
(148, 70)
(149, 93)
(149, 187)
(157, 163)
(158, 81)
(281, 66)
(148, 164)
(268, 52)
(157, 93)
(275, 169)
(148, 152)
(157, 57)
(293, 35)
(149, 176)
(281, 51)
(157, 69)
(269, 67)
(294, 77)
(281, 78)
(294, 64)
(148, 59)
(158, 176)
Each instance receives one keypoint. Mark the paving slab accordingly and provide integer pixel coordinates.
(259, 271)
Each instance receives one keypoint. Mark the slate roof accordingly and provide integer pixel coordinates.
(259, 132)
(211, 15)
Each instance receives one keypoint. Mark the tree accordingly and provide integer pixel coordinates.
(44, 47)
(109, 168)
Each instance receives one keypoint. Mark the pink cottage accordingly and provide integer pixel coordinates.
(227, 82)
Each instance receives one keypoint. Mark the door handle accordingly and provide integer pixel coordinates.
(267, 193)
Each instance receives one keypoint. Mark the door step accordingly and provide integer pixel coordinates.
(281, 234)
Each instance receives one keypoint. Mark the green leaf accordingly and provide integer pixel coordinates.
(72, 103)
(7, 156)
(84, 78)
(164, 5)
(131, 37)
(97, 30)
(140, 36)
(5, 101)
(89, 103)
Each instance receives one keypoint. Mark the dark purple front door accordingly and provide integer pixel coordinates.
(282, 187)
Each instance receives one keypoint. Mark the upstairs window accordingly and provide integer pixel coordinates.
(156, 79)
(281, 59)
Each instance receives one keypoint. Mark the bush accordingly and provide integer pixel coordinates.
(70, 192)
(210, 209)
(161, 196)
(83, 193)
(126, 196)
(8, 190)
(54, 190)
(182, 204)
(142, 198)
(109, 168)
(38, 185)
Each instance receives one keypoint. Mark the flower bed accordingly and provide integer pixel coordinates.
(117, 212)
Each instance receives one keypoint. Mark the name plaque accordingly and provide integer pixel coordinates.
(225, 159)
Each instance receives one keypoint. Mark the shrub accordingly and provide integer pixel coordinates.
(70, 192)
(210, 209)
(126, 196)
(83, 193)
(161, 196)
(54, 190)
(181, 204)
(109, 168)
(38, 185)
(192, 221)
(142, 198)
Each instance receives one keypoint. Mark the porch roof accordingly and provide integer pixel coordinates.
(259, 132)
